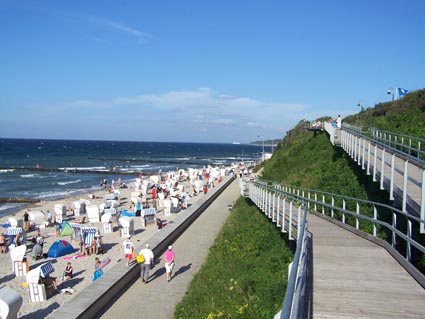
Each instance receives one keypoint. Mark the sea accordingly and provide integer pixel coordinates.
(48, 169)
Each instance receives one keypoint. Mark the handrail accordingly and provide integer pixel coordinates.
(293, 304)
(378, 211)
(414, 150)
(367, 211)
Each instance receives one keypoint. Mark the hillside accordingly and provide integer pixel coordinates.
(310, 161)
(405, 116)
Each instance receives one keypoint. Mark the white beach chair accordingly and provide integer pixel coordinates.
(93, 213)
(167, 207)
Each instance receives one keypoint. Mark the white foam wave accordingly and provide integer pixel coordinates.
(6, 170)
(70, 182)
(29, 175)
(94, 168)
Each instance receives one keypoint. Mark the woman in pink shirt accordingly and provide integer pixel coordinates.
(169, 261)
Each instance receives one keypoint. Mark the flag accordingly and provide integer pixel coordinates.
(402, 91)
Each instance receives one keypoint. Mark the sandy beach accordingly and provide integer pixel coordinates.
(83, 268)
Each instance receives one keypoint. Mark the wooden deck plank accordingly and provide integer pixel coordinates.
(355, 278)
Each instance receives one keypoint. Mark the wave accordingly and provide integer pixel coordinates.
(6, 170)
(29, 175)
(94, 168)
(70, 182)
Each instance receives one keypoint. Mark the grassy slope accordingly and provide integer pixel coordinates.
(312, 162)
(245, 273)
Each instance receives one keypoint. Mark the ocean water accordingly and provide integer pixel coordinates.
(47, 169)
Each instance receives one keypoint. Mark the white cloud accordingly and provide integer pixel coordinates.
(203, 108)
(139, 35)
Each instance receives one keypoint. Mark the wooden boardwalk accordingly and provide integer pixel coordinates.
(355, 278)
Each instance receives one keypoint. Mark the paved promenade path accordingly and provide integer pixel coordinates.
(158, 298)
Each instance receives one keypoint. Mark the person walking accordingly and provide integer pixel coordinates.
(146, 265)
(339, 122)
(169, 262)
(128, 250)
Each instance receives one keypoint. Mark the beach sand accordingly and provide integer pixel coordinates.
(83, 268)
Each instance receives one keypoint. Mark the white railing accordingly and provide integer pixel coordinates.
(289, 214)
(287, 206)
(380, 153)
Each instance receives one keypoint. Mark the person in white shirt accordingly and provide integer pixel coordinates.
(128, 250)
(146, 265)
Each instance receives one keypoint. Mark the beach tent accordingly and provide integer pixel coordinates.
(60, 248)
(66, 229)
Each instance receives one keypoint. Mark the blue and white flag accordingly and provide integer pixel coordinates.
(402, 91)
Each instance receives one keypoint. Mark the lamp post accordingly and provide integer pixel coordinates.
(392, 91)
(361, 106)
(263, 157)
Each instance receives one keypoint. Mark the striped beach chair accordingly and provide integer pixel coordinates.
(148, 216)
(46, 269)
(88, 234)
(11, 233)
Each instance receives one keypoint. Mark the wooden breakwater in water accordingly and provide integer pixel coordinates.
(4, 200)
(72, 170)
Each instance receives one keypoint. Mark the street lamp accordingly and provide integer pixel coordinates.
(391, 90)
(263, 157)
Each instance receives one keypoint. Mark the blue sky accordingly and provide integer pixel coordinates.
(199, 71)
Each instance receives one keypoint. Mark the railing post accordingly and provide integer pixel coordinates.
(375, 217)
(343, 209)
(394, 241)
(368, 159)
(409, 235)
(290, 219)
(375, 155)
(278, 211)
(315, 202)
(382, 169)
(299, 225)
(405, 177)
(284, 214)
(363, 154)
(422, 228)
(274, 208)
(359, 140)
(308, 203)
(358, 213)
(392, 178)
(333, 204)
(323, 206)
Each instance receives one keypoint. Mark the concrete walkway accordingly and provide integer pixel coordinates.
(158, 298)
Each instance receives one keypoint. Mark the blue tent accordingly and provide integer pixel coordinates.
(60, 248)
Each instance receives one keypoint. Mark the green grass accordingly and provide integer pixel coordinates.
(245, 274)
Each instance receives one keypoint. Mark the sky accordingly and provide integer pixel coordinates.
(200, 71)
